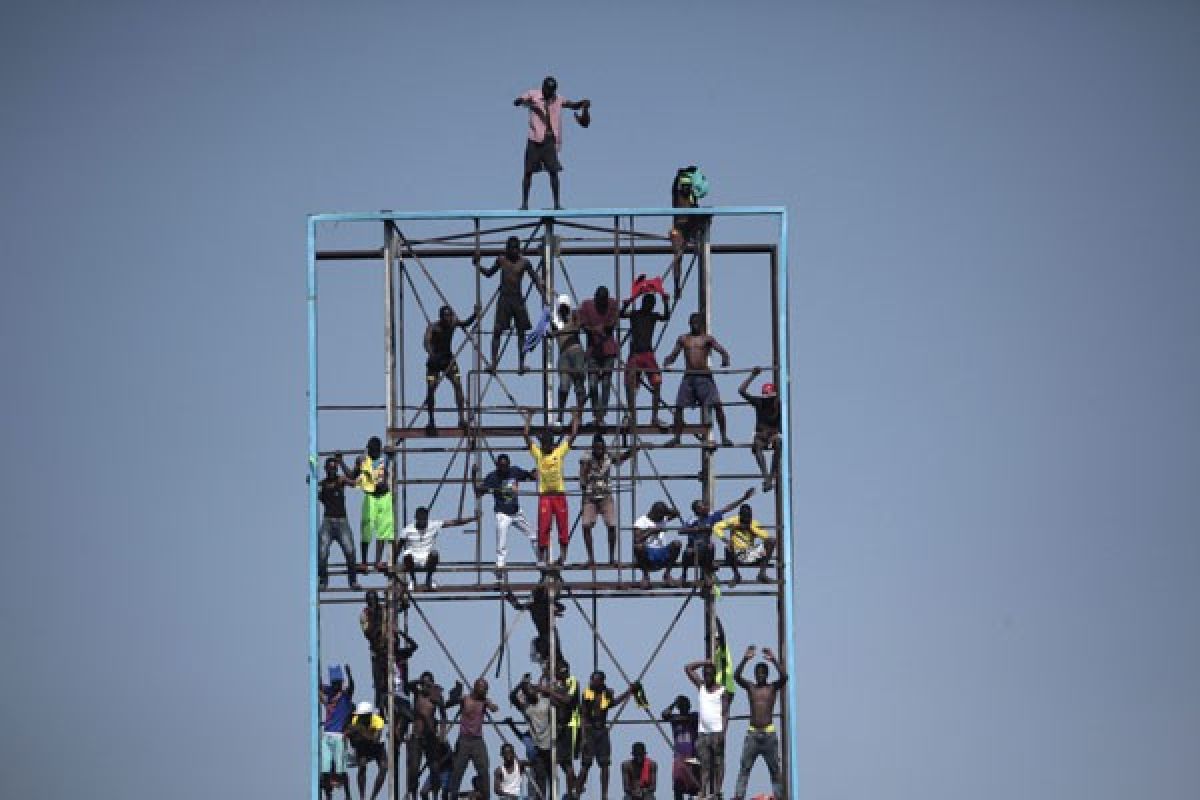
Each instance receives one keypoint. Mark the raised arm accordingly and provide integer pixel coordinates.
(712, 341)
(625, 308)
(744, 389)
(469, 321)
(575, 105)
(692, 671)
(727, 508)
(628, 454)
(486, 272)
(349, 680)
(525, 432)
(458, 523)
(770, 656)
(574, 432)
(738, 677)
(670, 359)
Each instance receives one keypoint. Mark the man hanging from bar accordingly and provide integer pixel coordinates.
(420, 539)
(552, 487)
(767, 419)
(543, 602)
(545, 134)
(598, 315)
(596, 481)
(470, 747)
(761, 739)
(439, 347)
(504, 484)
(641, 361)
(698, 387)
(372, 475)
(596, 743)
(651, 550)
(510, 303)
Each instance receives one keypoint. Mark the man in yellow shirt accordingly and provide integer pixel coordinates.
(365, 733)
(746, 543)
(552, 486)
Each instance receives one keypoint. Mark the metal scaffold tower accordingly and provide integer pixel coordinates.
(399, 269)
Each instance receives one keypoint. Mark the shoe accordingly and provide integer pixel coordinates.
(412, 585)
(763, 578)
(727, 442)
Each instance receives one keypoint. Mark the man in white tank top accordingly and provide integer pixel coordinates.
(713, 709)
(507, 781)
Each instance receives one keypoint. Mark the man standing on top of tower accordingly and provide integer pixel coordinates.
(439, 347)
(767, 419)
(510, 304)
(545, 134)
(371, 475)
(698, 387)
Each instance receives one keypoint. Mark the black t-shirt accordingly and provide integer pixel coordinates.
(766, 412)
(641, 330)
(333, 498)
(440, 339)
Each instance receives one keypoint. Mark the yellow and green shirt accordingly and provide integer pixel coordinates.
(740, 537)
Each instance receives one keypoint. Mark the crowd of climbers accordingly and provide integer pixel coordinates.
(663, 540)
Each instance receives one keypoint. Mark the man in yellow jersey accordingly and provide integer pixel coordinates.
(747, 543)
(365, 734)
(371, 474)
(552, 488)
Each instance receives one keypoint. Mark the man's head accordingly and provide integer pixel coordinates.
(446, 316)
(761, 673)
(710, 674)
(597, 680)
(364, 710)
(546, 440)
(512, 248)
(331, 467)
(696, 324)
(549, 86)
(647, 302)
(374, 447)
(659, 511)
(683, 704)
(508, 754)
(426, 679)
(768, 390)
(600, 297)
(700, 508)
(638, 751)
(599, 446)
(562, 671)
(421, 515)
(479, 688)
(372, 599)
(745, 514)
(503, 463)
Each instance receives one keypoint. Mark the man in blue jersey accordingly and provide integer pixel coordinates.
(337, 699)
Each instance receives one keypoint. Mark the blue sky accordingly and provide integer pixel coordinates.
(994, 277)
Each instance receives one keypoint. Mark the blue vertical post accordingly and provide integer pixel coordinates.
(785, 467)
(313, 598)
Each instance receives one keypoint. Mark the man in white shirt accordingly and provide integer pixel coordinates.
(713, 709)
(419, 540)
(651, 550)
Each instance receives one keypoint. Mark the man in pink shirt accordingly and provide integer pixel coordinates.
(545, 134)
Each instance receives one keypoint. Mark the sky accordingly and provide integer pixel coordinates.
(994, 249)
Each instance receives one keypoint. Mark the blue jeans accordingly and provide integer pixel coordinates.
(759, 743)
(335, 528)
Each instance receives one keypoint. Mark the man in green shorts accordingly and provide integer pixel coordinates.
(372, 475)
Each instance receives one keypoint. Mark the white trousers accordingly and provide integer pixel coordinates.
(503, 523)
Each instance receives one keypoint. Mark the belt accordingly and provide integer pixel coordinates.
(765, 729)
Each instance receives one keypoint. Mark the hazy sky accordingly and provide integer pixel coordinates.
(995, 252)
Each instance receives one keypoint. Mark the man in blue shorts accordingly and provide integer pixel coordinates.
(698, 387)
(650, 548)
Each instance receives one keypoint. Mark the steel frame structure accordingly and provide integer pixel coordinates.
(401, 258)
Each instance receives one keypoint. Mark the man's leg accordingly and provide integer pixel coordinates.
(606, 381)
(458, 400)
(775, 448)
(415, 748)
(593, 385)
(732, 562)
(382, 765)
(362, 780)
(719, 413)
(410, 567)
(479, 758)
(545, 517)
(631, 388)
(587, 521)
(756, 448)
(430, 567)
(431, 384)
(526, 181)
(323, 541)
(768, 551)
(642, 559)
(564, 528)
(672, 556)
(497, 335)
(461, 756)
(345, 540)
(554, 188)
(750, 752)
(367, 533)
(503, 522)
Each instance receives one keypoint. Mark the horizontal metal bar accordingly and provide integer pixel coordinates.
(536, 213)
(335, 596)
(566, 250)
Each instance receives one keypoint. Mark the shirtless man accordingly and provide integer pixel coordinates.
(595, 479)
(767, 417)
(510, 305)
(439, 347)
(761, 739)
(641, 359)
(698, 387)
(426, 732)
(470, 747)
(543, 601)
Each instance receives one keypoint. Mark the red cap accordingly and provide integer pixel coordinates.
(768, 390)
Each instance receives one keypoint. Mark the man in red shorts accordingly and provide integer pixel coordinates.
(552, 488)
(641, 356)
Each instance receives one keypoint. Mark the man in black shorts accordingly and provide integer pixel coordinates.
(545, 134)
(596, 746)
(641, 356)
(439, 347)
(698, 387)
(767, 419)
(510, 304)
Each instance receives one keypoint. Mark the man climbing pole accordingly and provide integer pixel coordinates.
(440, 351)
(545, 134)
